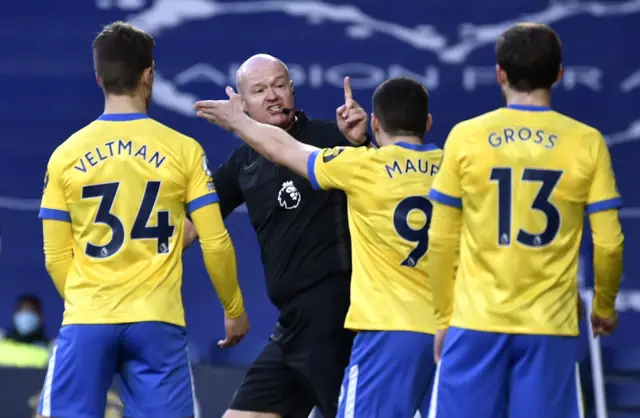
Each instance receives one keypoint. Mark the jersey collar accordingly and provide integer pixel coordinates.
(122, 117)
(415, 147)
(529, 108)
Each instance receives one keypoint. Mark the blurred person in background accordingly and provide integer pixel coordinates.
(25, 344)
(306, 250)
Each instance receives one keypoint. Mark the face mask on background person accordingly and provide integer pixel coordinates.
(26, 322)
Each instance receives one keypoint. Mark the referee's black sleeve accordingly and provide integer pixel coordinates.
(225, 179)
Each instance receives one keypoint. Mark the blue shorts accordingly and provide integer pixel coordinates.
(150, 358)
(389, 375)
(490, 375)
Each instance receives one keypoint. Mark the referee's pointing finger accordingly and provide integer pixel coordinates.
(348, 93)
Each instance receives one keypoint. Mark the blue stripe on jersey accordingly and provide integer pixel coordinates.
(615, 203)
(311, 170)
(417, 147)
(122, 117)
(530, 108)
(54, 214)
(202, 201)
(445, 199)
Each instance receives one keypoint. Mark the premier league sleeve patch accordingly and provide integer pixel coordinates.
(331, 153)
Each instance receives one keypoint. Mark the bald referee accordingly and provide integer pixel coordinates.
(305, 246)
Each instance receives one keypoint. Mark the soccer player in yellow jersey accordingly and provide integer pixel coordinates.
(114, 205)
(391, 365)
(514, 187)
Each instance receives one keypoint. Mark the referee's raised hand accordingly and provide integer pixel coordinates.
(224, 113)
(351, 117)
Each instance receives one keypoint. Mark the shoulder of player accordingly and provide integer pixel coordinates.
(67, 150)
(177, 137)
(575, 126)
(478, 122)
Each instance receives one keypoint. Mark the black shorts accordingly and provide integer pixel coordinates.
(302, 365)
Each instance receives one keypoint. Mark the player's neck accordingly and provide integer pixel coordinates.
(405, 139)
(540, 97)
(124, 104)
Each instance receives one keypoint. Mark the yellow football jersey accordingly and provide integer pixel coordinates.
(123, 182)
(389, 215)
(524, 177)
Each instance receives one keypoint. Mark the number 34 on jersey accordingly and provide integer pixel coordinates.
(107, 193)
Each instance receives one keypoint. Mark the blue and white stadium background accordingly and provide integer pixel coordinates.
(48, 91)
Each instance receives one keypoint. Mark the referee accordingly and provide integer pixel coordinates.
(305, 245)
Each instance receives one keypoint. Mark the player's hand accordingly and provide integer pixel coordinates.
(351, 117)
(603, 326)
(235, 330)
(438, 344)
(227, 114)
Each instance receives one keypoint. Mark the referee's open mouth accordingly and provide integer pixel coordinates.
(275, 109)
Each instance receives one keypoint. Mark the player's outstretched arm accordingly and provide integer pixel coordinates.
(276, 145)
(271, 142)
(58, 251)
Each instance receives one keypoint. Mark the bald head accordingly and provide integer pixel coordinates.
(264, 83)
(257, 66)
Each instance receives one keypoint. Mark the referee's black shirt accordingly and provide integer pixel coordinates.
(303, 233)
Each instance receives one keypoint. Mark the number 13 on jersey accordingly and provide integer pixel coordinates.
(549, 179)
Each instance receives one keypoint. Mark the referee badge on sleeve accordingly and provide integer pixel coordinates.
(330, 154)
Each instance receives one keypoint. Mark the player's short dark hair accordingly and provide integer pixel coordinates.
(121, 53)
(531, 55)
(402, 106)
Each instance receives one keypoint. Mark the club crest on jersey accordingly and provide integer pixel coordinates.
(330, 154)
(289, 197)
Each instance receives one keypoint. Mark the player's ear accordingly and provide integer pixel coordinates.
(560, 73)
(375, 124)
(147, 76)
(429, 122)
(98, 80)
(501, 75)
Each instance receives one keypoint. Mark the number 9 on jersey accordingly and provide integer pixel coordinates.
(407, 232)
